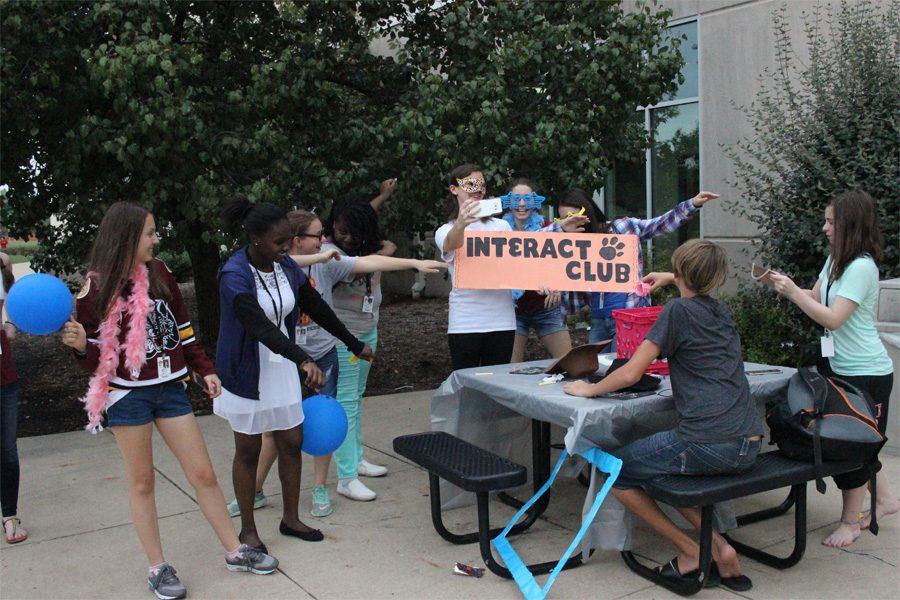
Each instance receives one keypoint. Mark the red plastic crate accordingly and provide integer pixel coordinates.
(632, 327)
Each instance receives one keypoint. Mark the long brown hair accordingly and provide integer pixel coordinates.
(578, 198)
(856, 230)
(113, 255)
(460, 172)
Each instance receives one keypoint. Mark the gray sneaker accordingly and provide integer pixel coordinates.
(249, 559)
(165, 584)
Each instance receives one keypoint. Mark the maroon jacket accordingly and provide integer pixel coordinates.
(8, 373)
(171, 344)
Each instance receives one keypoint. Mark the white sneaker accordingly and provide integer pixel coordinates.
(355, 490)
(367, 469)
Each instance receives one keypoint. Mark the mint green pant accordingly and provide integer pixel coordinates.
(351, 386)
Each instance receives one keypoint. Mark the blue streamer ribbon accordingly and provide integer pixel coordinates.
(522, 576)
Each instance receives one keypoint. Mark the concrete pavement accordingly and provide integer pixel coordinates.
(74, 502)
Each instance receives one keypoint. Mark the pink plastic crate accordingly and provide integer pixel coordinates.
(632, 326)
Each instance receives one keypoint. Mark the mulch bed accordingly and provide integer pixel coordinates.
(412, 355)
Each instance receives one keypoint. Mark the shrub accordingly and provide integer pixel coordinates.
(822, 125)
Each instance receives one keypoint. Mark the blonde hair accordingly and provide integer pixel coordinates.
(300, 220)
(701, 264)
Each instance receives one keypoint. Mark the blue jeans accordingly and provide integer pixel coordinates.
(9, 457)
(664, 453)
(603, 328)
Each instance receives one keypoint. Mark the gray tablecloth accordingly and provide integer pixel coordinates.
(492, 408)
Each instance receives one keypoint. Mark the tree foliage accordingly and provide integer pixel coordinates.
(545, 90)
(821, 126)
(178, 105)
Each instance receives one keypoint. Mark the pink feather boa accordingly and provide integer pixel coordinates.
(137, 307)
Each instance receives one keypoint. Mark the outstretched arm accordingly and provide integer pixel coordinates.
(375, 262)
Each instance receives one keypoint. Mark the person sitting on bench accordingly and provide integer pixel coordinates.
(719, 430)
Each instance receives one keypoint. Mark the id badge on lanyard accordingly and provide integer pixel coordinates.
(163, 366)
(300, 335)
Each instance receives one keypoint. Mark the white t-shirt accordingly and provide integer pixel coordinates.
(477, 311)
(314, 340)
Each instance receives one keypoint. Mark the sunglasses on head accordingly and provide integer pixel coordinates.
(471, 185)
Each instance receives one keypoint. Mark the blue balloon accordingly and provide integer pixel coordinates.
(39, 304)
(324, 425)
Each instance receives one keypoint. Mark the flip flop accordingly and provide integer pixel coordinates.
(740, 583)
(14, 539)
(670, 571)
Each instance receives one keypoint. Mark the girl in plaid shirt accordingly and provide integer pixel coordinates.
(602, 304)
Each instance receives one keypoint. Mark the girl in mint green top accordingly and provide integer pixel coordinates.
(858, 349)
(843, 302)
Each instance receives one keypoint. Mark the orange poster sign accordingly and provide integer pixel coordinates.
(523, 260)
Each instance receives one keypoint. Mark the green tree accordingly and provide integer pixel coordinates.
(545, 90)
(821, 126)
(178, 105)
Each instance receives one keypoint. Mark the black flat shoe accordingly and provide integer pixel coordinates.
(670, 571)
(313, 535)
(741, 583)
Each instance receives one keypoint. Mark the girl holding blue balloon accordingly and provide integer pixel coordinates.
(262, 292)
(133, 332)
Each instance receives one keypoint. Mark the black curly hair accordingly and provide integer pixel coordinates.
(355, 216)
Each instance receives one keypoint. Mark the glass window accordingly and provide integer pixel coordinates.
(689, 51)
(675, 165)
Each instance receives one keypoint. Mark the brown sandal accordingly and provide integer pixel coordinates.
(18, 533)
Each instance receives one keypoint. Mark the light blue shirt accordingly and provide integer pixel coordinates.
(857, 347)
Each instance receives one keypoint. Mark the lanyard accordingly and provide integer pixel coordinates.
(368, 284)
(279, 308)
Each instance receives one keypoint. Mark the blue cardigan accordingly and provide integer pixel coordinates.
(237, 354)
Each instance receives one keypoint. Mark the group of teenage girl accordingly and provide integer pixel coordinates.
(299, 314)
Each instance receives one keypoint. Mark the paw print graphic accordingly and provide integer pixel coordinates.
(611, 248)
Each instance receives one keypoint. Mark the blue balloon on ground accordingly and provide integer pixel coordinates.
(39, 304)
(324, 425)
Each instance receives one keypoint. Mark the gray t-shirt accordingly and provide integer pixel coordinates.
(314, 340)
(350, 298)
(711, 393)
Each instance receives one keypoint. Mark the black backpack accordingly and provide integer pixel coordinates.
(825, 419)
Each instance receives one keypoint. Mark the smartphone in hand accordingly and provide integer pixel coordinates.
(489, 207)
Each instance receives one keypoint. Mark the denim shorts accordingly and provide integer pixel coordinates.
(603, 328)
(328, 364)
(545, 321)
(664, 453)
(146, 404)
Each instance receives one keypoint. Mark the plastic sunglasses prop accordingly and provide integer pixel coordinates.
(532, 201)
(471, 185)
(522, 576)
(570, 214)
